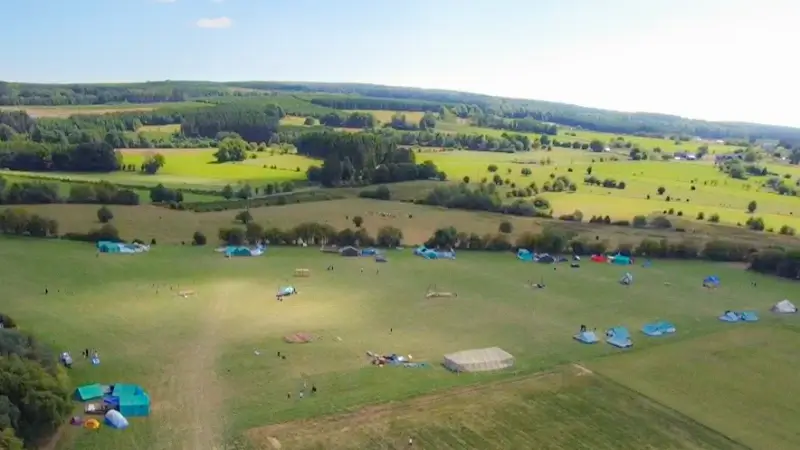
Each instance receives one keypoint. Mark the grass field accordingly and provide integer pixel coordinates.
(644, 143)
(210, 390)
(66, 111)
(714, 192)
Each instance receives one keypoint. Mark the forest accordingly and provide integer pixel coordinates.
(351, 95)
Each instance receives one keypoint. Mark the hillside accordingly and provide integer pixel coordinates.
(462, 103)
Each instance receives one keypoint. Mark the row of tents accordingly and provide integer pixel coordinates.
(620, 337)
(121, 247)
(429, 253)
(529, 256)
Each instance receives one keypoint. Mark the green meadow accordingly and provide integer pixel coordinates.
(209, 360)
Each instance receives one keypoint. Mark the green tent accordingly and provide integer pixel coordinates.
(89, 392)
(134, 405)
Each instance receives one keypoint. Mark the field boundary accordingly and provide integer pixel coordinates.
(689, 418)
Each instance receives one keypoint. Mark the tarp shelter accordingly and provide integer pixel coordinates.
(428, 253)
(586, 337)
(619, 337)
(120, 247)
(659, 328)
(349, 251)
(524, 255)
(711, 281)
(89, 392)
(599, 258)
(729, 316)
(369, 252)
(784, 307)
(748, 316)
(116, 419)
(621, 260)
(479, 360)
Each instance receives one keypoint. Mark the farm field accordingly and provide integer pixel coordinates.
(417, 222)
(714, 192)
(209, 361)
(645, 143)
(70, 110)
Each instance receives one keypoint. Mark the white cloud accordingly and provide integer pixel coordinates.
(218, 22)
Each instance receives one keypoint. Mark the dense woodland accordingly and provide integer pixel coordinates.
(362, 158)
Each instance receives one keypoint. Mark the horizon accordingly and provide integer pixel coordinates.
(675, 57)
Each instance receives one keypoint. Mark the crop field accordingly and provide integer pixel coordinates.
(71, 110)
(209, 361)
(157, 132)
(714, 192)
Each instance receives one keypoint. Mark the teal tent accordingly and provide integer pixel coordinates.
(135, 405)
(89, 392)
(621, 260)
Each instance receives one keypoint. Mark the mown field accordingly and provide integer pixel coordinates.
(70, 110)
(209, 361)
(417, 222)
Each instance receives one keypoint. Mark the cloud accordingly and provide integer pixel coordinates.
(218, 22)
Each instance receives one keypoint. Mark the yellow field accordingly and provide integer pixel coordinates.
(714, 192)
(644, 143)
(386, 116)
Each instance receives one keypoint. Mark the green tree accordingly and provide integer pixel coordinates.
(597, 145)
(358, 221)
(506, 227)
(153, 163)
(244, 216)
(752, 206)
(199, 238)
(227, 192)
(466, 179)
(231, 149)
(104, 215)
(661, 190)
(389, 237)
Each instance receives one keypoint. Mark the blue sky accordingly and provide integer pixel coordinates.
(711, 59)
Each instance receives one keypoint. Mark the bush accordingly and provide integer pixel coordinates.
(389, 237)
(661, 190)
(661, 222)
(379, 193)
(786, 230)
(701, 216)
(714, 218)
(506, 227)
(7, 322)
(199, 238)
(358, 221)
(104, 215)
(640, 222)
(244, 216)
(755, 223)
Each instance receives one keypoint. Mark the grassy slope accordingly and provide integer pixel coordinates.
(728, 198)
(207, 384)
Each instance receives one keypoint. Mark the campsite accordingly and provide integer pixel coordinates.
(222, 367)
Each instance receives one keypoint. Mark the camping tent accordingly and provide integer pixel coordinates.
(784, 307)
(428, 253)
(243, 251)
(117, 420)
(89, 392)
(545, 258)
(524, 255)
(619, 337)
(621, 260)
(659, 328)
(369, 252)
(599, 258)
(748, 316)
(287, 290)
(626, 279)
(586, 337)
(729, 316)
(479, 360)
(381, 259)
(349, 251)
(711, 281)
(131, 400)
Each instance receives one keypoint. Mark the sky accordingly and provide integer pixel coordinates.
(706, 59)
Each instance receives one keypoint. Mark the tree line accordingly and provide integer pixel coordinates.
(34, 389)
(33, 193)
(19, 154)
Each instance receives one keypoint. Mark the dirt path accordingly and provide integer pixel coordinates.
(193, 416)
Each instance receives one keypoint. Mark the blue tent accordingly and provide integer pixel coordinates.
(711, 281)
(287, 290)
(434, 254)
(659, 328)
(730, 316)
(243, 251)
(619, 337)
(586, 337)
(369, 252)
(749, 316)
(524, 255)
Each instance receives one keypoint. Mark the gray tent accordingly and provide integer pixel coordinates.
(784, 307)
(479, 360)
(349, 251)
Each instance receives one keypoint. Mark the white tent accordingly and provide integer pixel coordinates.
(784, 307)
(479, 360)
